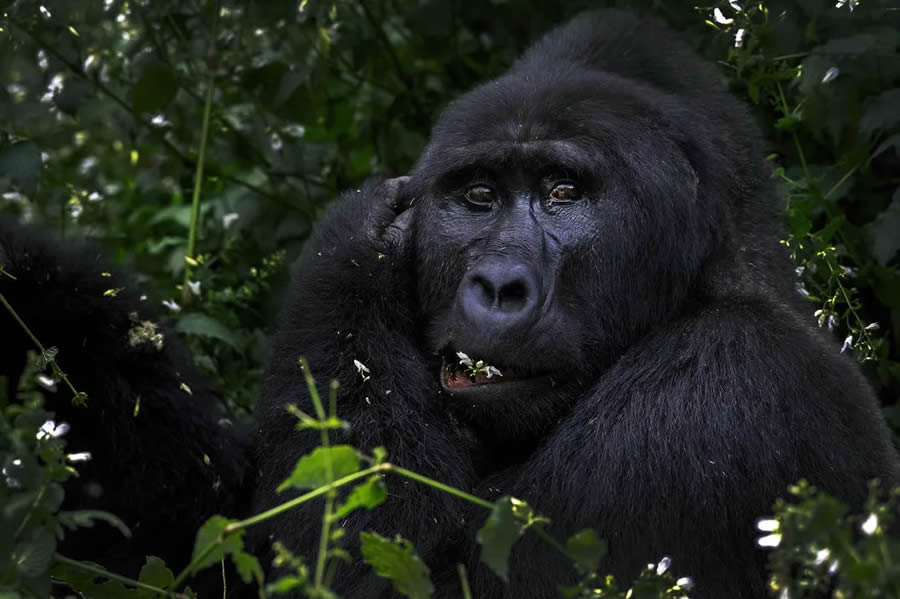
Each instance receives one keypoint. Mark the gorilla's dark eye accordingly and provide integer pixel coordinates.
(563, 193)
(481, 196)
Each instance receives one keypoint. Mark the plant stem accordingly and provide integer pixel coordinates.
(464, 581)
(440, 486)
(195, 200)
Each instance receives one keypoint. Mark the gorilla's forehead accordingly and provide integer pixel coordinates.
(571, 117)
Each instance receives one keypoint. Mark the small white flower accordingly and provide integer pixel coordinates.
(720, 18)
(821, 556)
(171, 305)
(831, 74)
(51, 429)
(769, 525)
(663, 566)
(870, 525)
(848, 343)
(490, 371)
(772, 540)
(832, 322)
(464, 359)
(734, 5)
(362, 369)
(45, 13)
(873, 326)
(686, 583)
(82, 456)
(48, 383)
(851, 4)
(739, 38)
(834, 566)
(229, 218)
(194, 287)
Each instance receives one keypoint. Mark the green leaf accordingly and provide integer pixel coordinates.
(154, 573)
(206, 326)
(881, 112)
(397, 561)
(34, 554)
(310, 471)
(154, 89)
(211, 532)
(21, 164)
(883, 231)
(86, 518)
(587, 549)
(367, 495)
(248, 567)
(503, 527)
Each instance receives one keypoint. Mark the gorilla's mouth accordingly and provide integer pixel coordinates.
(460, 373)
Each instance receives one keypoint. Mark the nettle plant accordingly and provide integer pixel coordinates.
(826, 79)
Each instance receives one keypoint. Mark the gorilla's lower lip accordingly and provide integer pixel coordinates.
(455, 381)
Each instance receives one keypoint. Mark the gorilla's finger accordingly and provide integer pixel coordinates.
(396, 233)
(390, 193)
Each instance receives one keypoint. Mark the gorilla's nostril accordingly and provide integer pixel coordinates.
(486, 292)
(513, 296)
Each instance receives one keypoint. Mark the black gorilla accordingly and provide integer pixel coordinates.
(161, 459)
(598, 224)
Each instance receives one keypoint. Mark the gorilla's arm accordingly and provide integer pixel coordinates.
(682, 445)
(350, 302)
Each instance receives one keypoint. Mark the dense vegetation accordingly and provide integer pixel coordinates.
(199, 142)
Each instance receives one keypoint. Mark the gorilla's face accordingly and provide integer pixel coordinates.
(554, 225)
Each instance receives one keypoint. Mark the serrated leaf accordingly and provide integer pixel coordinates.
(155, 573)
(397, 561)
(367, 495)
(248, 567)
(503, 527)
(34, 554)
(881, 112)
(885, 231)
(206, 326)
(154, 89)
(587, 549)
(21, 163)
(211, 532)
(310, 471)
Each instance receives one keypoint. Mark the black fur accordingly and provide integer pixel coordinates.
(163, 470)
(678, 389)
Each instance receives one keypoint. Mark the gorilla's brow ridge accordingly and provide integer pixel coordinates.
(576, 154)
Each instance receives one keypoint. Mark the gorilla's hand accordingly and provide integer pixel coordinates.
(351, 314)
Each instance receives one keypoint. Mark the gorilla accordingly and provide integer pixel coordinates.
(599, 225)
(163, 460)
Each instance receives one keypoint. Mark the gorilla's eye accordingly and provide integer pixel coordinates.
(481, 196)
(563, 193)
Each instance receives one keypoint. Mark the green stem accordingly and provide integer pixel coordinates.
(123, 579)
(56, 369)
(195, 200)
(841, 181)
(464, 581)
(440, 486)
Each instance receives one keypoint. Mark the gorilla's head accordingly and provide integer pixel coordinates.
(562, 211)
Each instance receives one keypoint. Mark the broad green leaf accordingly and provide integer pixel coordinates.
(202, 325)
(587, 549)
(211, 532)
(885, 231)
(154, 573)
(34, 553)
(366, 495)
(154, 89)
(21, 163)
(248, 567)
(397, 561)
(506, 523)
(311, 470)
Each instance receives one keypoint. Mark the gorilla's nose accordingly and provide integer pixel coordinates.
(498, 295)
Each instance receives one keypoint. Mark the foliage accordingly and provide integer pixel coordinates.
(100, 135)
